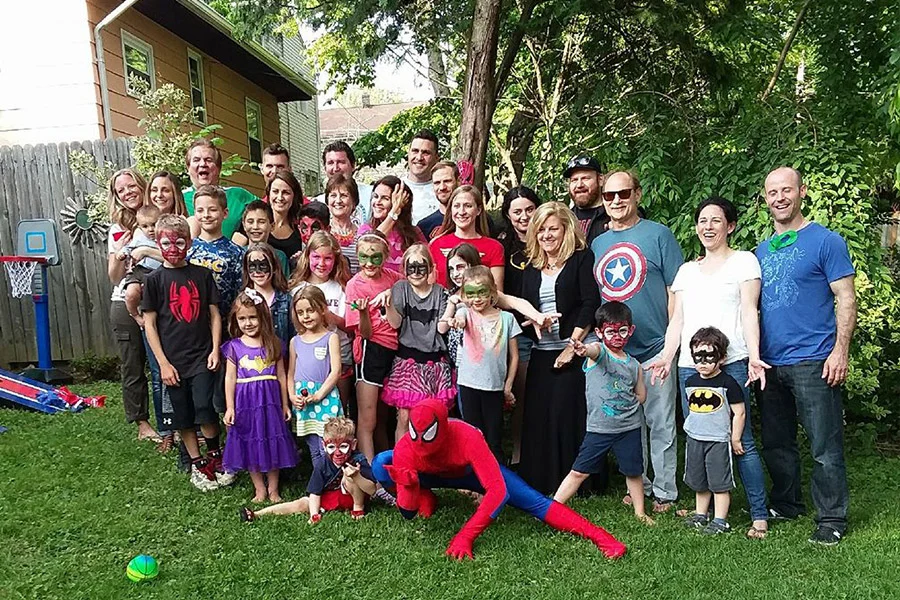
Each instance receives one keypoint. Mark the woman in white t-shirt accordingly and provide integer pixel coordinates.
(721, 289)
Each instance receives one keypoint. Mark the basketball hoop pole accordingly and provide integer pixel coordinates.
(42, 323)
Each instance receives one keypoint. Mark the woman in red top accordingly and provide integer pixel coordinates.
(466, 221)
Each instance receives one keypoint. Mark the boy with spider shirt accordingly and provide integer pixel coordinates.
(714, 425)
(615, 390)
(183, 326)
(257, 223)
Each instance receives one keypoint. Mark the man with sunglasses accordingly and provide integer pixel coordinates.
(637, 260)
(585, 175)
(807, 317)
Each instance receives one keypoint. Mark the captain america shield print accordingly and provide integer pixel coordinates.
(621, 272)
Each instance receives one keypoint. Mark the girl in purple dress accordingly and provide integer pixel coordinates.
(256, 398)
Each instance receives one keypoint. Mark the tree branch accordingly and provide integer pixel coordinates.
(787, 47)
(512, 47)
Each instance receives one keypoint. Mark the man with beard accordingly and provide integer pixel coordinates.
(585, 175)
(204, 166)
(445, 179)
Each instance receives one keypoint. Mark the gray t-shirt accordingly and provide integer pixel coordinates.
(484, 351)
(709, 413)
(550, 340)
(420, 316)
(612, 406)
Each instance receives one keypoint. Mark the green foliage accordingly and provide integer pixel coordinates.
(170, 125)
(92, 367)
(82, 163)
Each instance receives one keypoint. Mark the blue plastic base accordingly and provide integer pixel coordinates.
(17, 391)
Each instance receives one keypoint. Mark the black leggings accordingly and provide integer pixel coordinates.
(484, 410)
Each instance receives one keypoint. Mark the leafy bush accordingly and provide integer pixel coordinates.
(93, 367)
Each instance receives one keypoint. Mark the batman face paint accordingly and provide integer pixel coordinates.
(416, 270)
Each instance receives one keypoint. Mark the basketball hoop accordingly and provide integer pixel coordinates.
(20, 272)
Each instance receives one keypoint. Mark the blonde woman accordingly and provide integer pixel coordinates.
(559, 279)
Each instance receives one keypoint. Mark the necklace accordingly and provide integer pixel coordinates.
(344, 237)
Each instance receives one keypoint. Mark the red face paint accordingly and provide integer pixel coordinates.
(172, 246)
(616, 335)
(309, 226)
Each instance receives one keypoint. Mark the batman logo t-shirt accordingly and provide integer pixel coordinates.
(709, 412)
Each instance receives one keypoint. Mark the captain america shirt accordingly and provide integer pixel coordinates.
(181, 298)
(223, 258)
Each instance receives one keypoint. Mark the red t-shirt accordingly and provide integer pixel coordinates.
(360, 287)
(491, 252)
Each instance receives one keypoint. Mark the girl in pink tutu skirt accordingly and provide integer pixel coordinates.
(256, 398)
(421, 368)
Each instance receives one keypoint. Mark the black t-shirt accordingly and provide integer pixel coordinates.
(290, 245)
(328, 477)
(181, 298)
(516, 261)
(593, 221)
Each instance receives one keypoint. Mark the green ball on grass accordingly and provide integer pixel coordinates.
(142, 567)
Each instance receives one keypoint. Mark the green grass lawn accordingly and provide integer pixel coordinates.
(79, 497)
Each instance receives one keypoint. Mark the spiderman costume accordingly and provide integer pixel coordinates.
(439, 452)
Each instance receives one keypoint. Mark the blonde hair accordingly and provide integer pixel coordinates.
(481, 222)
(317, 301)
(175, 223)
(479, 274)
(121, 215)
(573, 237)
(303, 271)
(420, 250)
(339, 427)
(149, 212)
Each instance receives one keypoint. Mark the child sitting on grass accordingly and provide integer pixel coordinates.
(714, 425)
(614, 388)
(343, 482)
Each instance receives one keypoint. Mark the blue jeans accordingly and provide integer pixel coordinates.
(316, 449)
(798, 394)
(160, 393)
(749, 465)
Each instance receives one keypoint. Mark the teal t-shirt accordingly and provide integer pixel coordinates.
(238, 198)
(635, 266)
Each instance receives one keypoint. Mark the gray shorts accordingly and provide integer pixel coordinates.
(707, 466)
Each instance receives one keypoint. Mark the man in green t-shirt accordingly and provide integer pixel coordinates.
(204, 164)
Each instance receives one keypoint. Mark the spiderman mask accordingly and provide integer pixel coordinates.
(615, 335)
(340, 450)
(173, 246)
(427, 426)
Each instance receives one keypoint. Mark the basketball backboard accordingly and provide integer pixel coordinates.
(37, 237)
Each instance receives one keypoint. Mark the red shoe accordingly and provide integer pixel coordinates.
(561, 517)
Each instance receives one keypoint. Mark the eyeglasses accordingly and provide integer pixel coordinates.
(622, 194)
(623, 331)
(331, 447)
(581, 161)
(704, 357)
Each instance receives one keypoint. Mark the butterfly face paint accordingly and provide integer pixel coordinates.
(616, 335)
(173, 246)
(308, 226)
(416, 269)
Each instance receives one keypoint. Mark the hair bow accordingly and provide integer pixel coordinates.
(254, 295)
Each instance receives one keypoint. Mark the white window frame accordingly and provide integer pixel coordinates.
(194, 55)
(138, 44)
(251, 104)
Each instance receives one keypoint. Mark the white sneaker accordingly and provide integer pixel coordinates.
(200, 480)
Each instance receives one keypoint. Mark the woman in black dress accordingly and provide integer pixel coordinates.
(559, 278)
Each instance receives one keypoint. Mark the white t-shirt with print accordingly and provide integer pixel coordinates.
(715, 301)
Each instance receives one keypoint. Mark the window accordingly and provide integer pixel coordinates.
(254, 131)
(198, 91)
(140, 76)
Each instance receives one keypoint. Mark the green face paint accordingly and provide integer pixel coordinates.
(376, 259)
(476, 291)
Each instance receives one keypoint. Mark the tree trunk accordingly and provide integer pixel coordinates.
(478, 94)
(437, 72)
(519, 138)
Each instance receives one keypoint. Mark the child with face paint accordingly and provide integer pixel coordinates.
(391, 215)
(314, 217)
(314, 366)
(614, 389)
(322, 264)
(458, 260)
(257, 223)
(420, 370)
(256, 399)
(184, 329)
(714, 426)
(488, 356)
(376, 340)
(263, 275)
(343, 481)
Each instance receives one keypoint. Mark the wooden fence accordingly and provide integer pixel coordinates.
(35, 182)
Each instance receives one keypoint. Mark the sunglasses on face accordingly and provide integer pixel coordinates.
(622, 194)
(375, 259)
(702, 357)
(417, 268)
(610, 333)
(259, 266)
(332, 447)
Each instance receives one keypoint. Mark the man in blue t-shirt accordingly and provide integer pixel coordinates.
(806, 340)
(636, 263)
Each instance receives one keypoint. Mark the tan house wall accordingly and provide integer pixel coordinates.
(226, 91)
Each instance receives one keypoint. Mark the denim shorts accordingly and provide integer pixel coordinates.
(525, 345)
(626, 446)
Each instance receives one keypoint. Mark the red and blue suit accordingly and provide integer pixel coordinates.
(439, 452)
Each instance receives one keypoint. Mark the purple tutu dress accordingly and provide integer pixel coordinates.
(260, 439)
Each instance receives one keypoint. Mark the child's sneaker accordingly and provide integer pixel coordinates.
(715, 528)
(385, 496)
(696, 521)
(223, 478)
(203, 477)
